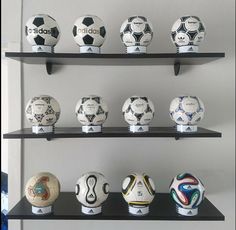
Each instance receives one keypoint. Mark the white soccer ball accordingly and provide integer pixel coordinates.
(91, 110)
(138, 190)
(186, 110)
(188, 32)
(42, 32)
(187, 191)
(89, 30)
(42, 189)
(92, 189)
(42, 110)
(138, 110)
(136, 31)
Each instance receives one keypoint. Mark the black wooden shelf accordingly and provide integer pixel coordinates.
(67, 207)
(174, 59)
(72, 132)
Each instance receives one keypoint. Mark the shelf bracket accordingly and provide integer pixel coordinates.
(49, 67)
(177, 68)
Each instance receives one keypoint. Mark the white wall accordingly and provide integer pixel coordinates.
(210, 159)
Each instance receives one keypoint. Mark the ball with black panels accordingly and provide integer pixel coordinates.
(136, 33)
(138, 112)
(186, 111)
(89, 33)
(42, 190)
(187, 191)
(42, 32)
(138, 190)
(42, 112)
(91, 111)
(92, 190)
(187, 33)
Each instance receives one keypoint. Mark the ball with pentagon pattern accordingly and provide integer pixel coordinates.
(42, 32)
(89, 33)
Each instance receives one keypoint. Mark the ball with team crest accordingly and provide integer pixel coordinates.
(92, 189)
(136, 33)
(187, 33)
(42, 112)
(186, 112)
(42, 32)
(138, 111)
(89, 33)
(91, 111)
(138, 190)
(187, 191)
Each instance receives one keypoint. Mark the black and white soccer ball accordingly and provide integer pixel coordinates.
(42, 110)
(136, 33)
(138, 110)
(138, 189)
(92, 189)
(91, 110)
(89, 32)
(187, 33)
(42, 32)
(186, 110)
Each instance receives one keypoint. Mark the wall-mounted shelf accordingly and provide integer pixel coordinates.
(67, 207)
(71, 132)
(50, 59)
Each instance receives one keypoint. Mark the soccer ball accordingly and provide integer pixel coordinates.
(188, 192)
(91, 111)
(43, 112)
(92, 190)
(186, 112)
(187, 33)
(138, 111)
(138, 191)
(41, 191)
(89, 33)
(136, 33)
(42, 32)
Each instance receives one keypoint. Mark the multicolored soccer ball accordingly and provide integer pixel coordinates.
(42, 111)
(89, 33)
(187, 33)
(188, 192)
(42, 32)
(138, 190)
(91, 110)
(136, 33)
(42, 189)
(186, 110)
(92, 189)
(138, 110)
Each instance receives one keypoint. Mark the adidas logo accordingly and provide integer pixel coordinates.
(40, 211)
(140, 129)
(189, 187)
(190, 49)
(189, 129)
(91, 129)
(40, 49)
(41, 130)
(190, 212)
(140, 184)
(91, 196)
(137, 49)
(139, 211)
(91, 211)
(89, 49)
